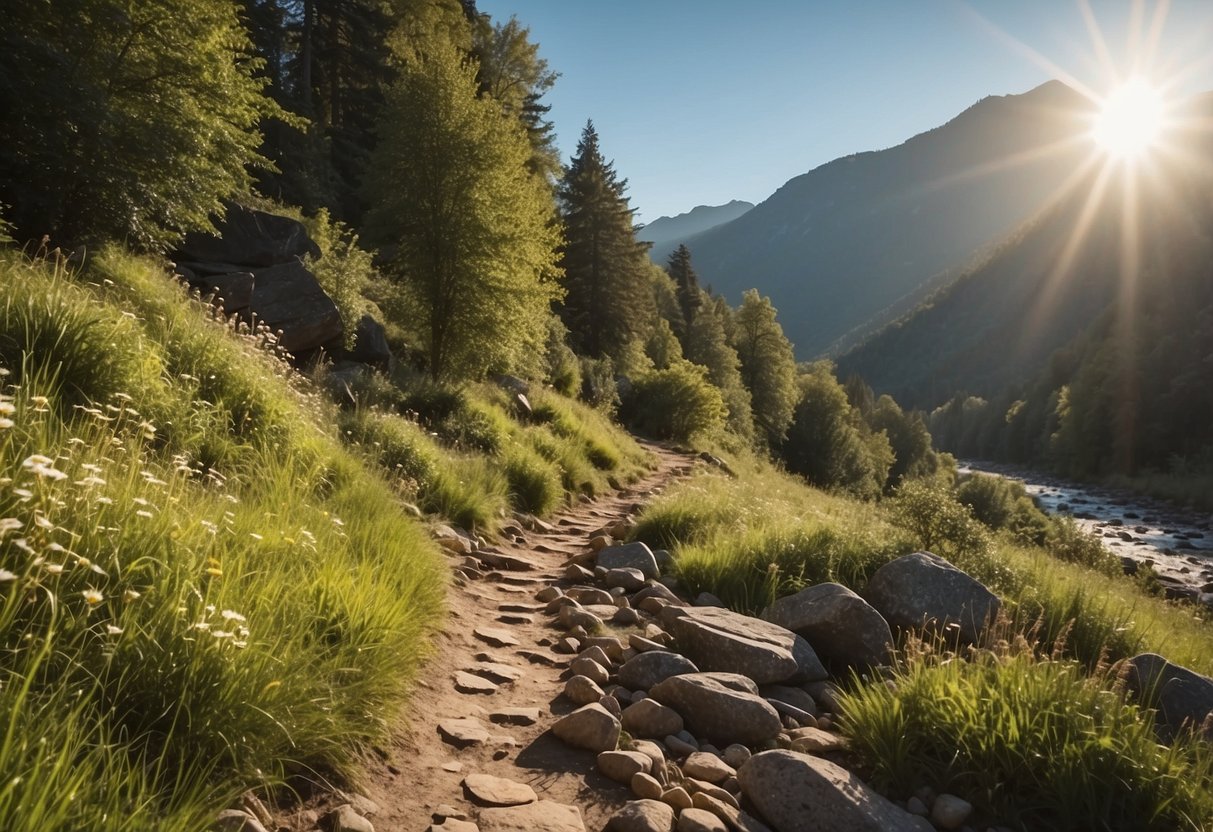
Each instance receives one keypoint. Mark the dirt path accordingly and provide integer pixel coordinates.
(426, 767)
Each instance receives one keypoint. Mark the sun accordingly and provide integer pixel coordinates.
(1130, 120)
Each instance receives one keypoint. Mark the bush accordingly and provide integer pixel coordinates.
(939, 522)
(535, 484)
(678, 403)
(598, 386)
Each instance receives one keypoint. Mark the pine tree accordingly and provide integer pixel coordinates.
(686, 284)
(768, 367)
(472, 228)
(609, 301)
(707, 343)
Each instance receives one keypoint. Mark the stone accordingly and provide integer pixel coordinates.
(453, 767)
(254, 806)
(463, 732)
(590, 595)
(621, 765)
(678, 798)
(574, 572)
(497, 671)
(594, 653)
(643, 645)
(642, 816)
(736, 754)
(1183, 698)
(922, 590)
(582, 690)
(288, 297)
(628, 579)
(841, 626)
(345, 819)
(611, 704)
(488, 790)
(540, 816)
(237, 820)
(495, 636)
(235, 289)
(370, 344)
(568, 644)
(611, 646)
(651, 750)
(717, 639)
(796, 792)
(645, 786)
(709, 767)
(649, 668)
(591, 727)
(678, 746)
(699, 820)
(630, 556)
(816, 741)
(548, 593)
(707, 599)
(454, 825)
(515, 716)
(950, 812)
(251, 238)
(826, 693)
(720, 707)
(590, 669)
(737, 820)
(915, 807)
(660, 592)
(799, 698)
(469, 683)
(626, 617)
(649, 718)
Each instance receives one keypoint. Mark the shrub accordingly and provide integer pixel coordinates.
(939, 522)
(535, 484)
(678, 403)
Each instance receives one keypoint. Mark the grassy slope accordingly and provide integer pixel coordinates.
(203, 587)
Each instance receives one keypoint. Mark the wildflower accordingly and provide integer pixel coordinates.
(255, 536)
(232, 615)
(142, 513)
(92, 597)
(6, 423)
(90, 481)
(53, 568)
(110, 629)
(91, 468)
(222, 634)
(202, 625)
(130, 595)
(6, 576)
(9, 524)
(75, 440)
(214, 571)
(105, 501)
(7, 408)
(41, 521)
(40, 403)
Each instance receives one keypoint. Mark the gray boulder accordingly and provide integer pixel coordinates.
(722, 708)
(643, 671)
(370, 344)
(288, 297)
(250, 238)
(634, 555)
(1183, 698)
(923, 590)
(717, 639)
(795, 792)
(235, 288)
(841, 626)
(649, 718)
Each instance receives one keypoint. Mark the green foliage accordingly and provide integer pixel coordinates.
(126, 121)
(1031, 742)
(535, 485)
(909, 438)
(768, 367)
(662, 346)
(598, 386)
(686, 283)
(678, 403)
(939, 522)
(562, 369)
(706, 343)
(344, 270)
(1066, 540)
(473, 229)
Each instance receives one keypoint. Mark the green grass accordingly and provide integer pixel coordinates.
(204, 591)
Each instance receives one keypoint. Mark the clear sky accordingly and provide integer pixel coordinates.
(704, 101)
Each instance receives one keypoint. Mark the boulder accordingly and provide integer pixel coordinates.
(923, 590)
(649, 718)
(370, 344)
(720, 707)
(250, 238)
(235, 288)
(841, 626)
(717, 639)
(288, 298)
(630, 556)
(591, 727)
(642, 816)
(795, 792)
(540, 816)
(647, 669)
(622, 765)
(1183, 698)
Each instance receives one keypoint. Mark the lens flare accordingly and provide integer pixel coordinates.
(1130, 120)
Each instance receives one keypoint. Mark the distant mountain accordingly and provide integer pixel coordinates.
(857, 242)
(665, 233)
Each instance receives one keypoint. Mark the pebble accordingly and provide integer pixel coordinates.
(736, 754)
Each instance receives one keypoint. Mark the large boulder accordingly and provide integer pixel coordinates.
(795, 792)
(721, 640)
(923, 590)
(250, 238)
(370, 344)
(288, 298)
(723, 708)
(234, 289)
(634, 555)
(1184, 699)
(841, 626)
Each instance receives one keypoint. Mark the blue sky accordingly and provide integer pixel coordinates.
(703, 101)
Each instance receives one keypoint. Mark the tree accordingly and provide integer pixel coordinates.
(768, 367)
(609, 301)
(472, 228)
(686, 284)
(125, 120)
(909, 438)
(706, 343)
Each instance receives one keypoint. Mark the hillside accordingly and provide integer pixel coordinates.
(850, 243)
(665, 233)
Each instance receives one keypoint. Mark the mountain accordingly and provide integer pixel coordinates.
(856, 242)
(665, 233)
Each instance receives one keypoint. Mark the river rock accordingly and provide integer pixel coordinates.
(582, 690)
(591, 727)
(645, 786)
(924, 590)
(717, 639)
(649, 718)
(647, 669)
(498, 791)
(642, 816)
(621, 765)
(704, 766)
(591, 670)
(628, 579)
(345, 819)
(1183, 698)
(795, 792)
(699, 820)
(839, 624)
(288, 297)
(720, 707)
(630, 556)
(950, 811)
(540, 816)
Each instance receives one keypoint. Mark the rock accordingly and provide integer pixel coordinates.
(799, 698)
(288, 297)
(736, 820)
(1183, 698)
(469, 683)
(582, 690)
(541, 816)
(548, 593)
(647, 669)
(488, 790)
(642, 816)
(370, 344)
(736, 754)
(707, 599)
(816, 741)
(796, 792)
(827, 693)
(923, 589)
(454, 825)
(237, 820)
(645, 786)
(574, 572)
(643, 645)
(709, 767)
(677, 798)
(590, 669)
(717, 639)
(345, 819)
(841, 626)
(235, 289)
(612, 705)
(630, 556)
(611, 646)
(463, 732)
(625, 617)
(250, 238)
(590, 595)
(515, 716)
(649, 718)
(620, 766)
(591, 727)
(720, 707)
(950, 812)
(627, 578)
(679, 747)
(495, 636)
(594, 653)
(699, 820)
(659, 591)
(915, 807)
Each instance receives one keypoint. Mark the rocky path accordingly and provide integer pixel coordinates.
(478, 726)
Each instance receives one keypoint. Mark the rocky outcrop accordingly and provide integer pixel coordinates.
(841, 626)
(924, 591)
(287, 297)
(1184, 699)
(718, 639)
(250, 237)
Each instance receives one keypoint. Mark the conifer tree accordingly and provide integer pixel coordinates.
(706, 343)
(471, 227)
(686, 284)
(768, 367)
(609, 301)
